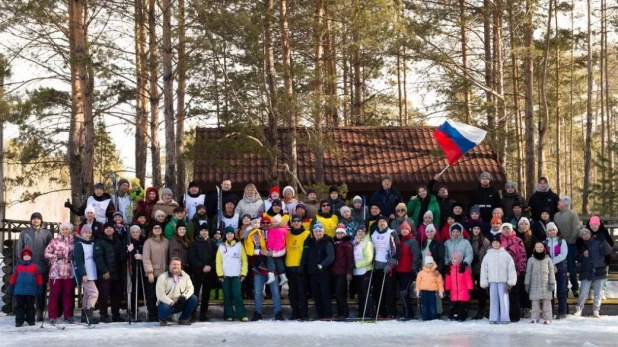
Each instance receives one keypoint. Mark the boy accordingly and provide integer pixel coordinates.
(26, 283)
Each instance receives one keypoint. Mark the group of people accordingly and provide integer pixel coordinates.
(518, 255)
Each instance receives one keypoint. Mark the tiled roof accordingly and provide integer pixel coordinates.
(354, 155)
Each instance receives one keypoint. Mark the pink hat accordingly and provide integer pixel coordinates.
(595, 220)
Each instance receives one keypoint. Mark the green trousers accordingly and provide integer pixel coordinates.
(232, 296)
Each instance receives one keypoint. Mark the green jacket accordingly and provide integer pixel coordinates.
(170, 229)
(414, 208)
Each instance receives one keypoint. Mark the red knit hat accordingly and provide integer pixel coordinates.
(496, 220)
(26, 251)
(274, 189)
(266, 219)
(404, 226)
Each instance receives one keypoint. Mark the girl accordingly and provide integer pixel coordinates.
(557, 250)
(499, 275)
(539, 228)
(363, 260)
(593, 270)
(110, 255)
(421, 232)
(341, 270)
(480, 245)
(460, 285)
(408, 266)
(155, 263)
(475, 219)
(276, 242)
(598, 231)
(59, 253)
(515, 247)
(231, 266)
(540, 283)
(202, 253)
(150, 199)
(445, 232)
(524, 232)
(429, 288)
(244, 228)
(86, 273)
(434, 248)
(179, 246)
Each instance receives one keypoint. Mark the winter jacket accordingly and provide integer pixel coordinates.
(170, 228)
(567, 222)
(459, 284)
(508, 200)
(329, 221)
(386, 247)
(37, 241)
(110, 255)
(26, 279)
(350, 226)
(487, 198)
(169, 289)
(479, 249)
(254, 242)
(344, 257)
(445, 233)
(335, 206)
(428, 280)
(498, 267)
(514, 246)
(458, 244)
(146, 206)
(395, 223)
(363, 255)
(97, 228)
(319, 252)
(249, 206)
(155, 256)
(290, 205)
(202, 252)
(361, 214)
(410, 259)
(59, 253)
(594, 267)
(84, 265)
(276, 238)
(103, 207)
(168, 209)
(539, 229)
(387, 199)
(180, 250)
(446, 203)
(543, 200)
(312, 207)
(601, 234)
(231, 260)
(557, 250)
(417, 208)
(540, 276)
(196, 223)
(138, 248)
(436, 248)
(295, 242)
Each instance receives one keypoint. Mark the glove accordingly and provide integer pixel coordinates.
(180, 303)
(387, 269)
(138, 256)
(551, 287)
(508, 288)
(67, 204)
(12, 290)
(462, 267)
(39, 290)
(130, 247)
(221, 279)
(527, 288)
(418, 294)
(441, 295)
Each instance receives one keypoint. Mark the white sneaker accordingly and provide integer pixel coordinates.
(596, 315)
(271, 278)
(283, 279)
(603, 297)
(578, 312)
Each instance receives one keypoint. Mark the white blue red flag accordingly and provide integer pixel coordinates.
(457, 138)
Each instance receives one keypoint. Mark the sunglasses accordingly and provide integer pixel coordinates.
(325, 205)
(296, 221)
(265, 223)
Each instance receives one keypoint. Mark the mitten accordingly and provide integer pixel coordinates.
(527, 288)
(12, 290)
(387, 269)
(180, 303)
(462, 267)
(67, 204)
(441, 295)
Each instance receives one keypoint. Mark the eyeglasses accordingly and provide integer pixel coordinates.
(265, 223)
(401, 210)
(325, 205)
(296, 221)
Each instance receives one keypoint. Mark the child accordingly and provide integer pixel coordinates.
(428, 285)
(446, 229)
(421, 232)
(231, 266)
(540, 283)
(408, 266)
(59, 253)
(475, 219)
(275, 242)
(341, 269)
(86, 273)
(499, 275)
(26, 282)
(460, 285)
(95, 226)
(593, 269)
(557, 250)
(480, 245)
(496, 227)
(119, 227)
(245, 227)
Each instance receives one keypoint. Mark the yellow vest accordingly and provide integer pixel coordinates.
(330, 224)
(250, 245)
(294, 247)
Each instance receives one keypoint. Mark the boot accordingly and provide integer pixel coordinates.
(90, 315)
(220, 294)
(118, 319)
(271, 278)
(283, 279)
(256, 317)
(480, 315)
(105, 318)
(39, 315)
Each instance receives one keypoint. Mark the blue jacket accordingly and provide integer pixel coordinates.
(26, 279)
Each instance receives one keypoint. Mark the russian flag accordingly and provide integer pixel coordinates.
(457, 138)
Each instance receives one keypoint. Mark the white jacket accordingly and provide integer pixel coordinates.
(498, 267)
(168, 291)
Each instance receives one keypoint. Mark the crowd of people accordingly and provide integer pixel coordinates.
(520, 255)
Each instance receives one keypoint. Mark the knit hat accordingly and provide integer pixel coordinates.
(181, 223)
(429, 260)
(90, 208)
(135, 227)
(66, 225)
(475, 209)
(318, 226)
(36, 215)
(428, 214)
(357, 198)
(551, 225)
(229, 199)
(344, 209)
(457, 257)
(297, 218)
(567, 200)
(523, 220)
(582, 231)
(108, 225)
(517, 203)
(509, 185)
(229, 229)
(493, 238)
(495, 220)
(404, 226)
(372, 204)
(507, 225)
(123, 181)
(159, 213)
(277, 202)
(193, 184)
(141, 214)
(266, 219)
(85, 229)
(333, 189)
(485, 175)
(430, 227)
(311, 190)
(167, 191)
(178, 210)
(272, 190)
(300, 205)
(117, 213)
(594, 220)
(340, 229)
(455, 226)
(401, 206)
(26, 251)
(245, 215)
(199, 207)
(361, 227)
(99, 186)
(289, 188)
(457, 204)
(277, 220)
(382, 217)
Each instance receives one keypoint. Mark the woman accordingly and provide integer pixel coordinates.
(155, 263)
(348, 222)
(363, 267)
(136, 251)
(401, 215)
(430, 246)
(480, 245)
(202, 254)
(146, 206)
(599, 232)
(289, 199)
(167, 204)
(514, 246)
(250, 203)
(110, 256)
(539, 228)
(86, 273)
(524, 232)
(408, 266)
(59, 253)
(422, 203)
(179, 246)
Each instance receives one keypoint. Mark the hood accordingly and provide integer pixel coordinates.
(151, 189)
(450, 231)
(538, 190)
(512, 195)
(252, 200)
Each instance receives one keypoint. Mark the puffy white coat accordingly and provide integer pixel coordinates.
(498, 267)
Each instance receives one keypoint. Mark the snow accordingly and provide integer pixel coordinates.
(580, 331)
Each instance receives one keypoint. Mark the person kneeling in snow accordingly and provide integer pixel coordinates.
(175, 294)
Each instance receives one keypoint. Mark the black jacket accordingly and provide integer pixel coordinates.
(320, 252)
(79, 263)
(201, 253)
(138, 247)
(446, 204)
(540, 200)
(437, 252)
(387, 199)
(601, 234)
(110, 255)
(487, 199)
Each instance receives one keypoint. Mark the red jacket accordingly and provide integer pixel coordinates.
(445, 234)
(344, 257)
(409, 261)
(459, 284)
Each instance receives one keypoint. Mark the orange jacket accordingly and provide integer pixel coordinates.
(430, 280)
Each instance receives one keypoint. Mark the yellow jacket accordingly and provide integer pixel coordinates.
(294, 246)
(250, 242)
(330, 224)
(231, 260)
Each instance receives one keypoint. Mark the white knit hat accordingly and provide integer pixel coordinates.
(429, 260)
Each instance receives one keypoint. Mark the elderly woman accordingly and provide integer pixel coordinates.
(250, 202)
(401, 215)
(59, 253)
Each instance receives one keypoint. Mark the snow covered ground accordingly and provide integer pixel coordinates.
(584, 331)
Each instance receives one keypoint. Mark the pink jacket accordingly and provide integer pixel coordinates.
(421, 235)
(59, 253)
(459, 284)
(515, 247)
(276, 239)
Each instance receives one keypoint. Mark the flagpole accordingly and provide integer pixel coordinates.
(443, 170)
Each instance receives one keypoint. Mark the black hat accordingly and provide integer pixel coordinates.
(193, 184)
(229, 199)
(180, 224)
(99, 186)
(333, 189)
(108, 225)
(179, 209)
(517, 203)
(277, 202)
(375, 204)
(297, 217)
(380, 217)
(123, 181)
(203, 226)
(455, 226)
(493, 238)
(141, 214)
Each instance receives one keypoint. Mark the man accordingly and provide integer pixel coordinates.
(320, 254)
(175, 294)
(446, 203)
(511, 198)
(226, 193)
(36, 238)
(122, 200)
(387, 252)
(327, 218)
(193, 198)
(100, 201)
(543, 197)
(387, 197)
(295, 245)
(568, 225)
(336, 203)
(486, 197)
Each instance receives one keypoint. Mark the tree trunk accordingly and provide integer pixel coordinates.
(168, 97)
(399, 92)
(288, 102)
(558, 119)
(520, 164)
(608, 111)
(318, 21)
(180, 106)
(143, 105)
(529, 98)
(544, 120)
(487, 28)
(153, 62)
(464, 59)
(346, 83)
(588, 142)
(498, 75)
(571, 104)
(270, 75)
(357, 100)
(330, 55)
(3, 71)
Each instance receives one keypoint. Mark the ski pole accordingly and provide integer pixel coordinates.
(380, 297)
(367, 296)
